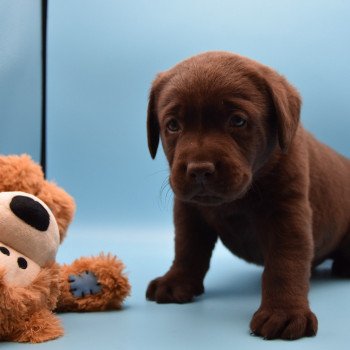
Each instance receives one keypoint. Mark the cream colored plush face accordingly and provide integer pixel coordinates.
(40, 245)
(20, 271)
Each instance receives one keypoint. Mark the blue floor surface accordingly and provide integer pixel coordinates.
(217, 320)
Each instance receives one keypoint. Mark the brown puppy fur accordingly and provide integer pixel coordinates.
(243, 169)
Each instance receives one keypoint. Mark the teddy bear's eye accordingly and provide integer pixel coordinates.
(22, 263)
(5, 251)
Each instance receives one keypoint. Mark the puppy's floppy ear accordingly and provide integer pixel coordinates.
(287, 104)
(152, 117)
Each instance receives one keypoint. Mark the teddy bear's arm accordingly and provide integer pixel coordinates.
(93, 284)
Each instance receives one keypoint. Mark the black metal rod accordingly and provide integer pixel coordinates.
(43, 83)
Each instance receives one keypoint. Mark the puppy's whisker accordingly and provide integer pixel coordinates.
(165, 185)
(168, 196)
(156, 172)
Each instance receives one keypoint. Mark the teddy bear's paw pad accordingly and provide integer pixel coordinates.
(84, 284)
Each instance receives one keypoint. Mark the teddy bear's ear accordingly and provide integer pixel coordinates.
(61, 204)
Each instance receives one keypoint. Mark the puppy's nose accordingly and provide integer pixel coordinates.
(200, 172)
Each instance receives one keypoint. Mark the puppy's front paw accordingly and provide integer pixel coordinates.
(173, 289)
(284, 324)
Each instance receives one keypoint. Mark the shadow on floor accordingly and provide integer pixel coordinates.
(248, 282)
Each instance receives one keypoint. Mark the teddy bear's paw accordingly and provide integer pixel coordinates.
(84, 284)
(93, 284)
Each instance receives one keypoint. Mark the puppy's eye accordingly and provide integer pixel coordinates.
(237, 121)
(173, 125)
(5, 251)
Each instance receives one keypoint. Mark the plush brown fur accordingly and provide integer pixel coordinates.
(25, 312)
(20, 173)
(268, 189)
(109, 272)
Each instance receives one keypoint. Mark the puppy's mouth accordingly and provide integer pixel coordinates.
(210, 192)
(206, 199)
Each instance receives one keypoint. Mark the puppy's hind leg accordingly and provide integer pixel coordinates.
(341, 263)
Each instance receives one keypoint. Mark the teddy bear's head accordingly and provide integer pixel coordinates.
(29, 236)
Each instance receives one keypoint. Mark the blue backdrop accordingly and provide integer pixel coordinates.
(103, 56)
(20, 77)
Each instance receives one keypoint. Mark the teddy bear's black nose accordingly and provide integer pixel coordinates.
(31, 212)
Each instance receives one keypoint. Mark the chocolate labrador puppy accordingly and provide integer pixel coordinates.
(243, 169)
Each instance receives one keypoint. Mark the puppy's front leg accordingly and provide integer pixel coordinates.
(194, 243)
(284, 311)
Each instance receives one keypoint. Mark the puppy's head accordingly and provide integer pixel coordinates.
(220, 116)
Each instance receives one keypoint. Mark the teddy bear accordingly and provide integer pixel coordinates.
(21, 173)
(29, 276)
(88, 284)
